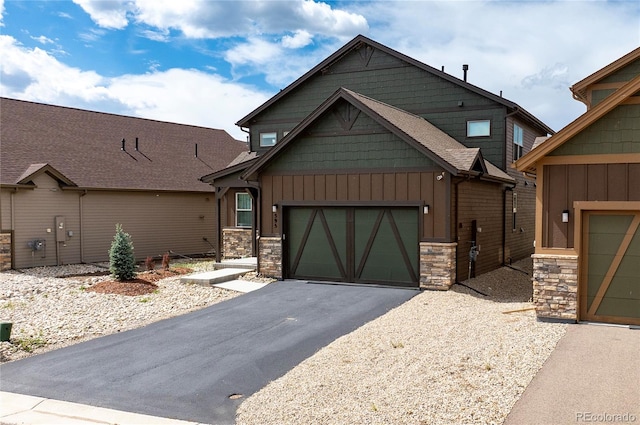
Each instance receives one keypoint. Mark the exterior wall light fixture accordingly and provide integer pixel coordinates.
(565, 216)
(274, 208)
(425, 209)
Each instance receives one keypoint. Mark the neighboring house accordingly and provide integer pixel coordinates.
(376, 168)
(587, 257)
(67, 176)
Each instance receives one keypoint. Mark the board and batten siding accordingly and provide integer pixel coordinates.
(359, 188)
(566, 183)
(480, 201)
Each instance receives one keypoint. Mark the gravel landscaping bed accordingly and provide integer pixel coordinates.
(454, 357)
(52, 307)
(463, 356)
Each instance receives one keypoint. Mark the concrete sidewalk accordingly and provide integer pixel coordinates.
(26, 409)
(593, 376)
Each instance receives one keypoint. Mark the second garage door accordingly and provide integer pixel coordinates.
(353, 244)
(610, 290)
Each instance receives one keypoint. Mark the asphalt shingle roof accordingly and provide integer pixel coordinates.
(86, 148)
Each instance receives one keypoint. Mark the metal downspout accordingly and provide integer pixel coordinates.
(81, 207)
(218, 224)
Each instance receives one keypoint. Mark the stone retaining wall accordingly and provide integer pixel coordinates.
(555, 286)
(236, 243)
(270, 256)
(5, 251)
(437, 265)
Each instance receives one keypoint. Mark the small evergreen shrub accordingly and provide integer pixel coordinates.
(122, 262)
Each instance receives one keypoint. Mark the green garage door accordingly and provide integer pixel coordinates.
(610, 290)
(353, 244)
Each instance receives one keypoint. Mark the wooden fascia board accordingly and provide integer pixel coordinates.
(581, 85)
(528, 161)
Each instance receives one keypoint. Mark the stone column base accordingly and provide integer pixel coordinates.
(437, 265)
(5, 251)
(236, 243)
(270, 256)
(555, 286)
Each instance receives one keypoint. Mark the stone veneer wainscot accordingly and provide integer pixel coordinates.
(555, 286)
(5, 251)
(437, 265)
(236, 243)
(270, 256)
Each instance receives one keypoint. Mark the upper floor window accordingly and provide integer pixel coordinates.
(243, 210)
(479, 128)
(268, 139)
(518, 142)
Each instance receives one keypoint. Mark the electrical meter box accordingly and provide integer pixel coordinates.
(61, 232)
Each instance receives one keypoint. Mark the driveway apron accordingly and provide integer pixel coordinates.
(192, 367)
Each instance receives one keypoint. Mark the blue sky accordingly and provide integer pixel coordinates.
(210, 63)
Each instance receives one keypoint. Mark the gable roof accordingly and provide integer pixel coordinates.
(579, 89)
(35, 170)
(83, 149)
(444, 150)
(528, 162)
(359, 41)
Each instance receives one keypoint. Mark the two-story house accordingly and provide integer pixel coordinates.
(374, 167)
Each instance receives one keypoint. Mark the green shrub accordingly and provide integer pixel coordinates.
(122, 262)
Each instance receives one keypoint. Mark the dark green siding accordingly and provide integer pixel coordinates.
(390, 80)
(616, 132)
(623, 75)
(367, 145)
(598, 96)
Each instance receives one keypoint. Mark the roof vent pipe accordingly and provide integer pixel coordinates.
(442, 68)
(196, 150)
(136, 144)
(465, 68)
(122, 148)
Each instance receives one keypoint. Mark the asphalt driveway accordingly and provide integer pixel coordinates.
(187, 367)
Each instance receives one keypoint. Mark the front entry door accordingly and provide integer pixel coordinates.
(610, 283)
(353, 244)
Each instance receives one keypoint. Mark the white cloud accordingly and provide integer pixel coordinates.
(36, 75)
(528, 50)
(1, 13)
(43, 40)
(187, 96)
(300, 38)
(110, 14)
(177, 95)
(212, 19)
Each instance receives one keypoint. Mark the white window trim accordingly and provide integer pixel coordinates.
(518, 143)
(478, 121)
(243, 210)
(272, 135)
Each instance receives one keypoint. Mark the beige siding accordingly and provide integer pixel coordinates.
(157, 222)
(5, 209)
(35, 212)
